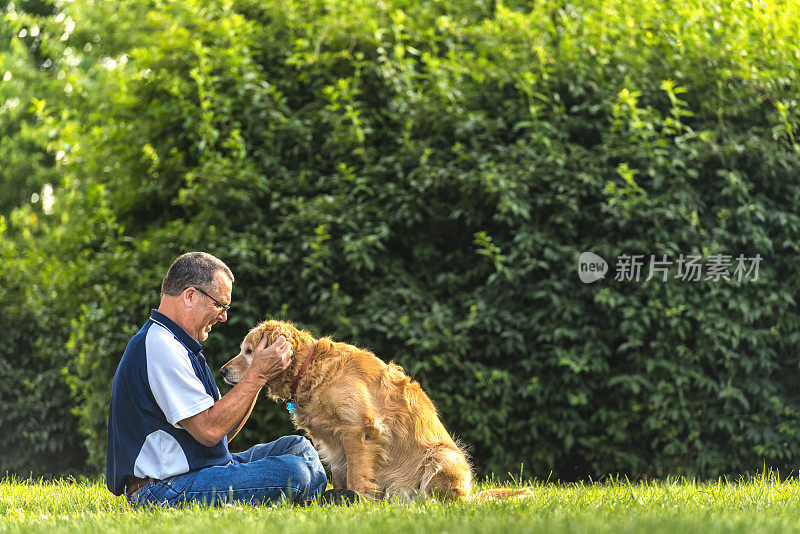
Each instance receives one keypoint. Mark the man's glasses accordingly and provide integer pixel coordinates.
(225, 307)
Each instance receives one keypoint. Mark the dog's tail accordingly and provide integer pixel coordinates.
(500, 494)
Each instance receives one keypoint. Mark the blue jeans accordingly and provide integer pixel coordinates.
(288, 467)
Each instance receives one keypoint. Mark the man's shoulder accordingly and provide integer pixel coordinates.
(159, 340)
(153, 344)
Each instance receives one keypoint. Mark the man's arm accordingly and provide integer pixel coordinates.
(211, 425)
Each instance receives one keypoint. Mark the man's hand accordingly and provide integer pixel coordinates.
(271, 361)
(229, 414)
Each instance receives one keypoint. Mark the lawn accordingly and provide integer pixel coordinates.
(761, 504)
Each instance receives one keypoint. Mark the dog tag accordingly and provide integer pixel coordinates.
(291, 407)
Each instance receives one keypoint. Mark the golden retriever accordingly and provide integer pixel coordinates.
(372, 424)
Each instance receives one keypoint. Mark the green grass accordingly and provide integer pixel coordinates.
(761, 504)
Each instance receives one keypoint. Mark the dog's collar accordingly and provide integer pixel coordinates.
(299, 376)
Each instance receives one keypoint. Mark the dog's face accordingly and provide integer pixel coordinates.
(233, 371)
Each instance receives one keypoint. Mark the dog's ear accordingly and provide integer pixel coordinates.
(255, 336)
(301, 341)
(273, 329)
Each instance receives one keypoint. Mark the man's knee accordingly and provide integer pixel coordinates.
(298, 475)
(309, 476)
(294, 444)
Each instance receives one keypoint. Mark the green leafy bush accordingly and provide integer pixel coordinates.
(420, 180)
(40, 434)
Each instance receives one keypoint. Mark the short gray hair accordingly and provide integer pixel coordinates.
(193, 269)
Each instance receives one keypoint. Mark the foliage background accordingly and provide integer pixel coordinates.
(417, 178)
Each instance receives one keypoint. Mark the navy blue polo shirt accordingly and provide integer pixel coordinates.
(162, 379)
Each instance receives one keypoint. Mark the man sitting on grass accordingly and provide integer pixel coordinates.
(168, 426)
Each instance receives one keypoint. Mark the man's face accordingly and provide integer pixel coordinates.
(205, 312)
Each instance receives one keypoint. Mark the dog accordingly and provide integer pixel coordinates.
(374, 426)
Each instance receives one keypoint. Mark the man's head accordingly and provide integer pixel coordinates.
(196, 293)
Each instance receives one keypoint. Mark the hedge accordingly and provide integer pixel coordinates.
(421, 179)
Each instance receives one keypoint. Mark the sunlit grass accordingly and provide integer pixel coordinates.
(761, 504)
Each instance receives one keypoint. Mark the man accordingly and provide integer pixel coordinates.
(168, 427)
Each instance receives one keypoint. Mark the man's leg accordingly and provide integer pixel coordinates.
(300, 446)
(292, 444)
(295, 446)
(269, 479)
(285, 468)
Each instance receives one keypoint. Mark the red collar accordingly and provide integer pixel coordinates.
(302, 370)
